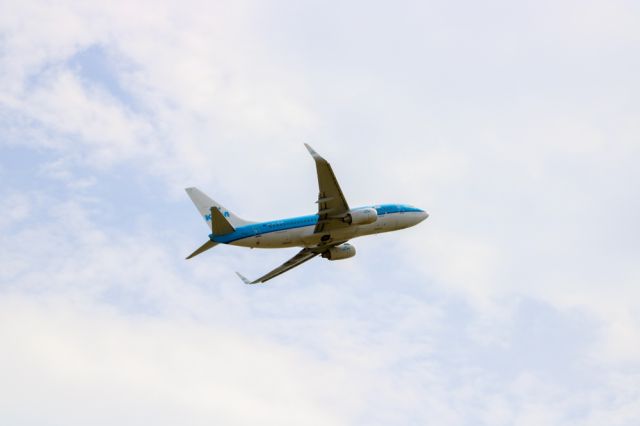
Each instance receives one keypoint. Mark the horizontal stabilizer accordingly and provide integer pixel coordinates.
(206, 246)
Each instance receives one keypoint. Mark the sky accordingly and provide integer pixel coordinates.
(515, 124)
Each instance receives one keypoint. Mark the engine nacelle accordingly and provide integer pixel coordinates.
(343, 251)
(361, 216)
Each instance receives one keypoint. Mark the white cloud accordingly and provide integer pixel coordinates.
(80, 364)
(515, 126)
(99, 321)
(16, 207)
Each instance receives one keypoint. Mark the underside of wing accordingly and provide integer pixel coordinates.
(332, 205)
(301, 257)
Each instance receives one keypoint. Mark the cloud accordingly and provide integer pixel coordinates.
(98, 318)
(516, 128)
(92, 365)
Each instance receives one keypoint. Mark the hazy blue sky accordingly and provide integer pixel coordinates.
(515, 124)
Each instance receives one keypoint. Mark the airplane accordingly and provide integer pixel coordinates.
(322, 234)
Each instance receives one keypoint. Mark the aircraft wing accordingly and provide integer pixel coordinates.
(331, 202)
(301, 257)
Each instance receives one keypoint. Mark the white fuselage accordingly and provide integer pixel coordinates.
(300, 232)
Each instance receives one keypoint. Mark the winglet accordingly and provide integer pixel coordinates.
(245, 279)
(313, 153)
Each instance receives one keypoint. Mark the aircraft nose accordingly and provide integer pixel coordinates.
(423, 216)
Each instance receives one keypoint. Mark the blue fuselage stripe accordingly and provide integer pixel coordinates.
(297, 222)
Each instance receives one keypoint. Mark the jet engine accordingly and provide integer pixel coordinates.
(343, 251)
(361, 216)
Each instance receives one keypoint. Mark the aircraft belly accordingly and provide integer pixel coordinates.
(280, 239)
(311, 239)
(384, 223)
(245, 242)
(344, 233)
(405, 220)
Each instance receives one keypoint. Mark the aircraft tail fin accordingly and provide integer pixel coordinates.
(204, 204)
